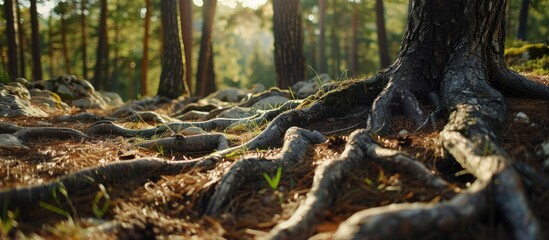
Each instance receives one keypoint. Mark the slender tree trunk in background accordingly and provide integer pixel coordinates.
(35, 38)
(288, 50)
(210, 83)
(172, 78)
(204, 61)
(11, 32)
(523, 20)
(113, 80)
(354, 42)
(384, 59)
(64, 44)
(84, 32)
(186, 17)
(322, 44)
(145, 59)
(50, 45)
(101, 63)
(335, 41)
(312, 60)
(21, 40)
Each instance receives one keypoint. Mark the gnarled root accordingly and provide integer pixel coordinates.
(296, 142)
(328, 177)
(182, 144)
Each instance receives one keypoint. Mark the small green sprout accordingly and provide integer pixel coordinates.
(273, 182)
(99, 212)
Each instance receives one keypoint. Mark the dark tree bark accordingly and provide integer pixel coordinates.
(382, 35)
(20, 40)
(172, 78)
(84, 36)
(50, 45)
(523, 20)
(204, 83)
(36, 49)
(322, 43)
(288, 34)
(101, 71)
(64, 47)
(11, 32)
(186, 17)
(145, 59)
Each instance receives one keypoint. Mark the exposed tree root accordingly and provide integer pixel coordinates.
(329, 176)
(296, 142)
(183, 144)
(83, 118)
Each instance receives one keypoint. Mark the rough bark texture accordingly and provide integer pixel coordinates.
(100, 73)
(11, 32)
(145, 59)
(36, 49)
(205, 84)
(288, 49)
(171, 80)
(382, 35)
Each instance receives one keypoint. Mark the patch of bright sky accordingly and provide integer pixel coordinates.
(253, 4)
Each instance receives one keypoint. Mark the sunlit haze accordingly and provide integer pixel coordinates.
(254, 4)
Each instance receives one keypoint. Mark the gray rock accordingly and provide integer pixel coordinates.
(270, 102)
(14, 102)
(65, 92)
(112, 99)
(521, 117)
(236, 112)
(229, 95)
(192, 131)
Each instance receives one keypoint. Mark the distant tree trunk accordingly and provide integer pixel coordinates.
(171, 80)
(354, 42)
(312, 60)
(112, 85)
(288, 34)
(65, 49)
(101, 64)
(335, 40)
(523, 20)
(186, 17)
(322, 45)
(84, 32)
(11, 32)
(145, 59)
(35, 38)
(21, 40)
(50, 45)
(205, 57)
(382, 35)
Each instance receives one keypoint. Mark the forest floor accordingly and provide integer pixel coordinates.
(172, 206)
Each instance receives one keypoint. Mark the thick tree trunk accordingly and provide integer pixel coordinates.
(84, 36)
(36, 49)
(11, 32)
(21, 40)
(322, 43)
(145, 58)
(288, 34)
(382, 35)
(205, 58)
(523, 20)
(101, 70)
(186, 17)
(171, 80)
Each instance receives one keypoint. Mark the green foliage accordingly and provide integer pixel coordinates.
(529, 58)
(101, 196)
(4, 77)
(273, 182)
(59, 207)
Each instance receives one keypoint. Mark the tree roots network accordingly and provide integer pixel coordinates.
(335, 165)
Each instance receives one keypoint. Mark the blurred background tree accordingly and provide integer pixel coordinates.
(242, 39)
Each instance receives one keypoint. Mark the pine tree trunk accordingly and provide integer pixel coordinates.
(288, 34)
(64, 44)
(100, 73)
(84, 35)
(36, 49)
(336, 59)
(382, 35)
(21, 40)
(353, 68)
(11, 32)
(50, 45)
(171, 80)
(186, 17)
(322, 44)
(523, 20)
(205, 58)
(145, 58)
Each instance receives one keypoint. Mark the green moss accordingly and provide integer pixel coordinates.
(534, 51)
